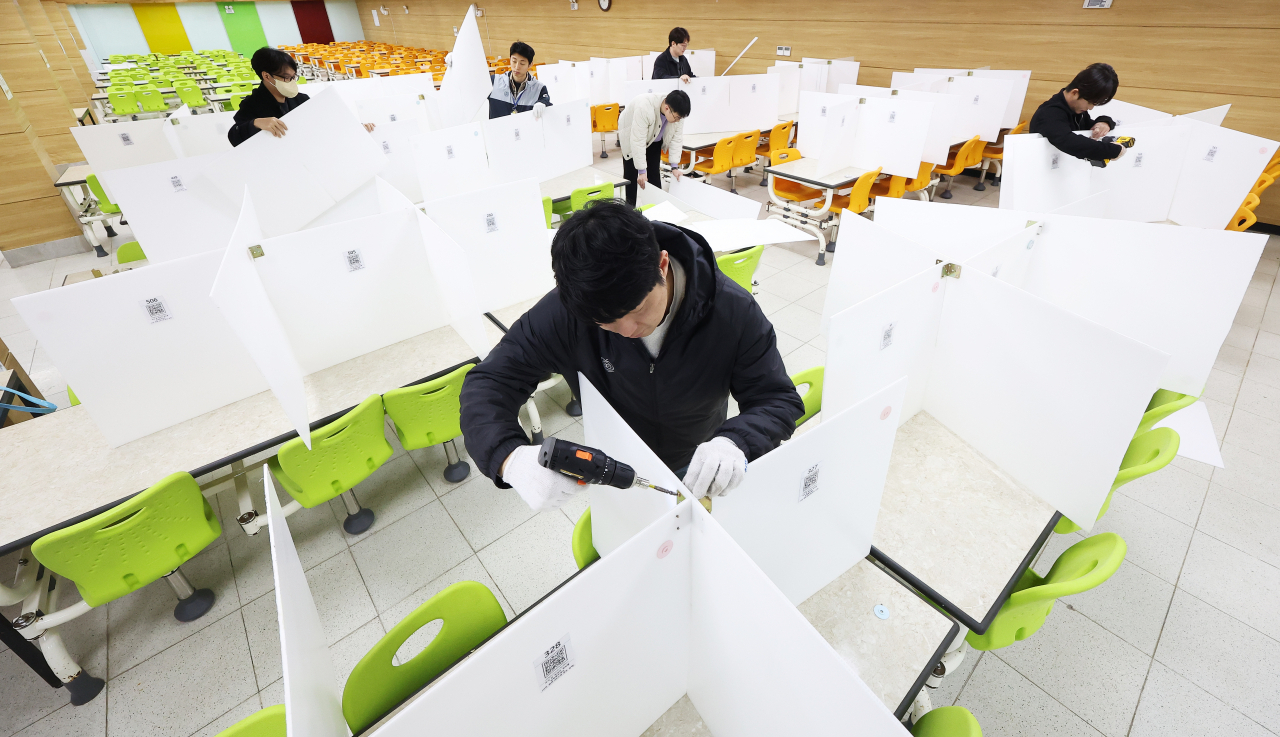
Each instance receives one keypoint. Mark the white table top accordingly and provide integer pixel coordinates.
(803, 171)
(61, 467)
(695, 141)
(562, 186)
(74, 175)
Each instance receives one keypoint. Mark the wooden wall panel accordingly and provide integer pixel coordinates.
(68, 46)
(25, 176)
(35, 221)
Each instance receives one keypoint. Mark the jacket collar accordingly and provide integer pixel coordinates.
(695, 255)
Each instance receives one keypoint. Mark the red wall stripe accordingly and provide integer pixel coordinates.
(313, 21)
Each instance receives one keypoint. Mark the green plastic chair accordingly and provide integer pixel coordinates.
(71, 397)
(227, 78)
(268, 722)
(129, 252)
(343, 453)
(151, 100)
(123, 103)
(104, 203)
(236, 99)
(812, 397)
(191, 96)
(546, 210)
(429, 414)
(1163, 403)
(579, 197)
(584, 549)
(947, 721)
(118, 552)
(471, 615)
(1147, 453)
(740, 266)
(1081, 567)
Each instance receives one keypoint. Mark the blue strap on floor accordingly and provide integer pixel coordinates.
(42, 406)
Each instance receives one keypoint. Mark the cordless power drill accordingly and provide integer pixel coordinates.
(1126, 141)
(590, 466)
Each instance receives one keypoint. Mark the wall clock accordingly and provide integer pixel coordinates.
(605, 4)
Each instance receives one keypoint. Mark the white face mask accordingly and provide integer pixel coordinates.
(288, 89)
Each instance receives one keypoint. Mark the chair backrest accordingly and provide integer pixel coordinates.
(1147, 453)
(343, 453)
(192, 96)
(894, 186)
(95, 187)
(922, 180)
(744, 148)
(546, 210)
(123, 103)
(137, 542)
(970, 154)
(812, 397)
(268, 722)
(782, 155)
(1163, 403)
(152, 100)
(579, 197)
(470, 614)
(1251, 201)
(860, 195)
(1081, 567)
(740, 266)
(947, 721)
(604, 118)
(584, 549)
(1020, 128)
(780, 136)
(1242, 220)
(428, 413)
(1264, 180)
(129, 252)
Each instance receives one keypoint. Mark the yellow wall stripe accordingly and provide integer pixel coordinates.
(162, 27)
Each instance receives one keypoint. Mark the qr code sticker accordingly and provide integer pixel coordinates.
(1053, 161)
(1213, 151)
(448, 152)
(124, 138)
(490, 223)
(392, 116)
(704, 89)
(156, 310)
(1137, 160)
(386, 147)
(177, 184)
(554, 662)
(893, 115)
(975, 99)
(354, 261)
(809, 484)
(886, 335)
(753, 88)
(823, 113)
(568, 120)
(517, 130)
(995, 273)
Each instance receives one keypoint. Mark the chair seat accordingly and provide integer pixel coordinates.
(108, 209)
(794, 191)
(841, 202)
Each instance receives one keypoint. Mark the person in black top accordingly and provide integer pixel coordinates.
(277, 95)
(673, 63)
(1059, 117)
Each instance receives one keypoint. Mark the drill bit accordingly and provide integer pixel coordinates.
(645, 483)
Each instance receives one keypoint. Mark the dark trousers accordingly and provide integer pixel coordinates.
(653, 158)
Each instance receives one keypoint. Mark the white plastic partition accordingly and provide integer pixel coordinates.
(197, 135)
(561, 82)
(1219, 168)
(712, 201)
(145, 349)
(788, 87)
(753, 101)
(1018, 79)
(1036, 176)
(451, 161)
(621, 70)
(731, 235)
(1125, 113)
(891, 135)
(806, 511)
(919, 82)
(702, 62)
(466, 84)
(1141, 183)
(122, 145)
(395, 108)
(983, 103)
(395, 140)
(652, 86)
(821, 119)
(312, 698)
(1212, 116)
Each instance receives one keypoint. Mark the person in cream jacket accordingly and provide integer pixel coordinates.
(650, 124)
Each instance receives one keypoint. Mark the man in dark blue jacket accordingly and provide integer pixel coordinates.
(1059, 117)
(641, 309)
(673, 64)
(517, 91)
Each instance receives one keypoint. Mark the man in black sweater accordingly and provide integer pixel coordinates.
(1060, 116)
(271, 100)
(672, 63)
(641, 309)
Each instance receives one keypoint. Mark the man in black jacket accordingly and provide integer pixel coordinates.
(673, 63)
(644, 313)
(269, 101)
(1060, 116)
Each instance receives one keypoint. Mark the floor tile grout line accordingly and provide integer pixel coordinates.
(969, 677)
(1087, 723)
(1219, 610)
(1236, 548)
(172, 645)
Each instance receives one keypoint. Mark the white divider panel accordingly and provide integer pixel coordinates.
(197, 135)
(646, 64)
(348, 289)
(841, 72)
(515, 146)
(753, 101)
(891, 135)
(788, 88)
(566, 139)
(838, 145)
(623, 625)
(395, 141)
(862, 90)
(813, 75)
(504, 234)
(582, 73)
(1219, 168)
(920, 82)
(173, 209)
(145, 349)
(561, 82)
(757, 667)
(451, 161)
(702, 62)
(1142, 182)
(955, 234)
(874, 259)
(731, 235)
(1036, 176)
(240, 296)
(709, 106)
(654, 86)
(1010, 260)
(1097, 205)
(622, 70)
(713, 201)
(1001, 352)
(618, 514)
(361, 203)
(882, 339)
(1196, 439)
(1212, 116)
(1019, 79)
(806, 511)
(123, 145)
(466, 84)
(814, 118)
(353, 91)
(1125, 113)
(409, 84)
(312, 698)
(982, 107)
(392, 109)
(942, 129)
(597, 79)
(666, 212)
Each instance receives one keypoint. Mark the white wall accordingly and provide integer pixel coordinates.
(203, 24)
(111, 29)
(278, 23)
(344, 18)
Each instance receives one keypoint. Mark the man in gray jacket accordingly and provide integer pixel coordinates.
(651, 124)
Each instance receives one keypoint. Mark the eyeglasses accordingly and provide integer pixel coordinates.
(291, 78)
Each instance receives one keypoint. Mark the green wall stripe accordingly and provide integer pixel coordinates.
(243, 27)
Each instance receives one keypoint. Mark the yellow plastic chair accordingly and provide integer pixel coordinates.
(1147, 453)
(779, 139)
(996, 154)
(786, 188)
(604, 119)
(734, 151)
(811, 381)
(1251, 201)
(429, 414)
(859, 198)
(740, 266)
(921, 184)
(1242, 220)
(968, 155)
(584, 549)
(268, 722)
(1264, 180)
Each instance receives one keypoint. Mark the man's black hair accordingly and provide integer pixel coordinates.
(605, 260)
(269, 60)
(1097, 83)
(679, 103)
(678, 35)
(523, 49)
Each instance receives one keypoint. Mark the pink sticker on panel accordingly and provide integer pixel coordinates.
(884, 413)
(936, 285)
(665, 549)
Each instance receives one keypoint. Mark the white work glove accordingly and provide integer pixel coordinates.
(448, 60)
(540, 488)
(718, 466)
(537, 110)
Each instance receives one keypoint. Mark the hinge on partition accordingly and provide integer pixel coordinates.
(937, 260)
(256, 251)
(893, 93)
(175, 121)
(951, 270)
(969, 73)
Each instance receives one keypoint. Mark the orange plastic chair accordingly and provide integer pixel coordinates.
(922, 182)
(859, 198)
(969, 154)
(1251, 201)
(996, 154)
(779, 138)
(724, 157)
(1242, 220)
(1264, 180)
(786, 188)
(604, 119)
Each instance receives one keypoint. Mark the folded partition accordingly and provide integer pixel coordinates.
(1096, 205)
(466, 84)
(400, 107)
(733, 235)
(1212, 116)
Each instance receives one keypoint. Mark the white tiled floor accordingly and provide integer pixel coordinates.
(1180, 641)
